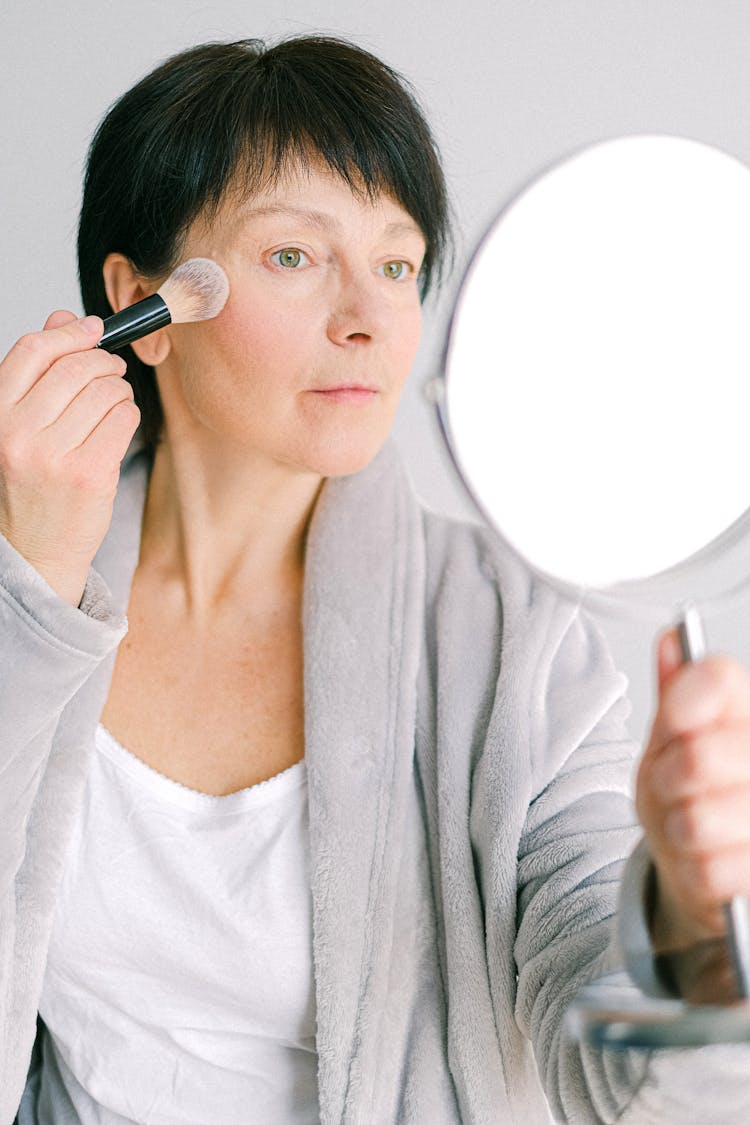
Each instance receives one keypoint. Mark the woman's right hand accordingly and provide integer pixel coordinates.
(66, 419)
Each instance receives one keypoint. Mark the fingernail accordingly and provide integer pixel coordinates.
(92, 324)
(671, 649)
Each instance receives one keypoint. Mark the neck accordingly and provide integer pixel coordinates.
(221, 525)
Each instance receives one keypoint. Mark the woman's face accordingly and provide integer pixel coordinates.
(306, 363)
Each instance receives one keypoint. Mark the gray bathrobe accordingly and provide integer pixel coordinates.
(468, 817)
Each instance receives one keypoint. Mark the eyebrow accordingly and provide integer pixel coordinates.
(324, 221)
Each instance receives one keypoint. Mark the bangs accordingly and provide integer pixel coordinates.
(235, 131)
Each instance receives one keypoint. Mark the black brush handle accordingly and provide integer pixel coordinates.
(141, 318)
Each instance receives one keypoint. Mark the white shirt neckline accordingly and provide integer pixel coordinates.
(165, 788)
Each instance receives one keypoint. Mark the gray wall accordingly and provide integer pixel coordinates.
(510, 86)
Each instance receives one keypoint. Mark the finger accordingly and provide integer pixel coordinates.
(86, 411)
(708, 823)
(668, 657)
(711, 878)
(700, 696)
(51, 396)
(32, 355)
(58, 318)
(108, 442)
(698, 764)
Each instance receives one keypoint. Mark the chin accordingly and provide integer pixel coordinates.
(345, 454)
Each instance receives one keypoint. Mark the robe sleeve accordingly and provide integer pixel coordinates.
(49, 651)
(579, 832)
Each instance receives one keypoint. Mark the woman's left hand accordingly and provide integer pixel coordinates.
(693, 794)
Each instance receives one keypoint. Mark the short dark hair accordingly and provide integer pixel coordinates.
(234, 114)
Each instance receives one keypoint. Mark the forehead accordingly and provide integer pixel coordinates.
(313, 196)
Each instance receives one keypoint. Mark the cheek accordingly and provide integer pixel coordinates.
(235, 330)
(258, 335)
(247, 365)
(409, 339)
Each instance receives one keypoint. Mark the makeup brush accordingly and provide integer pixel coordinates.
(196, 290)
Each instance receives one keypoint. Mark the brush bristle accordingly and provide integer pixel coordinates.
(196, 290)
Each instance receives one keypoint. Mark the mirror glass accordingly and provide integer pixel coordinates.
(597, 371)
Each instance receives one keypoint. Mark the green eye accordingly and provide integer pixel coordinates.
(289, 258)
(395, 270)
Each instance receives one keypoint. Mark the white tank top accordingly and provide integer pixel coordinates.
(179, 986)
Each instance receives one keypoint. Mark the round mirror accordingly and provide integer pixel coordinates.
(596, 402)
(598, 363)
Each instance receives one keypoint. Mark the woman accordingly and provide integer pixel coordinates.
(232, 892)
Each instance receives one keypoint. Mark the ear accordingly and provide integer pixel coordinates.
(124, 287)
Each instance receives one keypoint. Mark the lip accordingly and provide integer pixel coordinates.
(347, 392)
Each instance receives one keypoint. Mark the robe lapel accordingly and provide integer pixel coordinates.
(362, 621)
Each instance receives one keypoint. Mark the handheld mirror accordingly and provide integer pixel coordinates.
(595, 404)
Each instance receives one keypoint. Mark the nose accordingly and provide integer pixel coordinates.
(358, 313)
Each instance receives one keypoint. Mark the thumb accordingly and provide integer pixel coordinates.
(668, 657)
(58, 318)
(669, 660)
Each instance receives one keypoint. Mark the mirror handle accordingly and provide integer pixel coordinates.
(736, 912)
